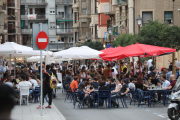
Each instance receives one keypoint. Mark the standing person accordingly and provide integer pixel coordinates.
(7, 103)
(7, 66)
(99, 70)
(83, 73)
(83, 65)
(46, 86)
(149, 62)
(64, 67)
(67, 81)
(107, 71)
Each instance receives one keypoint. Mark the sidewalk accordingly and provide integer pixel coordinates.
(29, 112)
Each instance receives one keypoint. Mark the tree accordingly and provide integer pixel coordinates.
(124, 40)
(159, 34)
(94, 45)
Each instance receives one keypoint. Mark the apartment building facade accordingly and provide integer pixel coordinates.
(10, 21)
(123, 14)
(3, 28)
(82, 20)
(56, 13)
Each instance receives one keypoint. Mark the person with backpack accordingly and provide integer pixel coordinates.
(47, 87)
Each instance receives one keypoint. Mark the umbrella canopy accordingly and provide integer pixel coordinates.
(17, 50)
(138, 50)
(110, 51)
(83, 52)
(37, 59)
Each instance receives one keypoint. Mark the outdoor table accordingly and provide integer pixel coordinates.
(155, 90)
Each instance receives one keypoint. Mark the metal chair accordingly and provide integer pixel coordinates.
(104, 95)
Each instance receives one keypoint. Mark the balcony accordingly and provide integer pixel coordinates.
(64, 2)
(65, 17)
(64, 31)
(10, 4)
(122, 2)
(59, 46)
(26, 31)
(33, 2)
(11, 30)
(109, 9)
(34, 17)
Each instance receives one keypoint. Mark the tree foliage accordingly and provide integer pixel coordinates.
(159, 34)
(124, 40)
(94, 45)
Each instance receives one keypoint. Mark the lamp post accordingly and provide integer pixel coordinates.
(110, 33)
(139, 22)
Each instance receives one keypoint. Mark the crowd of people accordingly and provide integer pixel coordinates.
(102, 75)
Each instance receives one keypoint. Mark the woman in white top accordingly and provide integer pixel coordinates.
(82, 74)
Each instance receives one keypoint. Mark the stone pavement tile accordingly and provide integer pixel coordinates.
(29, 112)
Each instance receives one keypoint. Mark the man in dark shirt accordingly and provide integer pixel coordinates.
(173, 79)
(13, 80)
(95, 84)
(103, 88)
(64, 67)
(122, 93)
(53, 70)
(154, 80)
(112, 85)
(46, 86)
(67, 79)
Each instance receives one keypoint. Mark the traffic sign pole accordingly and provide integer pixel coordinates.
(41, 76)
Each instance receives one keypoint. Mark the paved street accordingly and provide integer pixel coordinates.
(159, 112)
(29, 112)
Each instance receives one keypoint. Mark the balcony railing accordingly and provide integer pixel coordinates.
(59, 46)
(11, 4)
(64, 1)
(38, 2)
(66, 16)
(11, 17)
(11, 30)
(26, 31)
(33, 17)
(64, 31)
(122, 2)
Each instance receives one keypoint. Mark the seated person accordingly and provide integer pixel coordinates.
(24, 83)
(17, 79)
(83, 82)
(112, 85)
(8, 81)
(108, 81)
(74, 84)
(153, 80)
(95, 83)
(122, 92)
(103, 88)
(165, 84)
(33, 81)
(173, 79)
(131, 85)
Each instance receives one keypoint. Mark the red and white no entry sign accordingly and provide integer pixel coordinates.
(42, 40)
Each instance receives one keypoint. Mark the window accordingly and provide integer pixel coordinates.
(168, 17)
(61, 40)
(96, 6)
(31, 24)
(75, 17)
(74, 1)
(83, 4)
(96, 30)
(70, 39)
(52, 25)
(84, 28)
(146, 16)
(30, 11)
(83, 10)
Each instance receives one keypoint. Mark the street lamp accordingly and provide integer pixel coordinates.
(86, 38)
(139, 22)
(110, 33)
